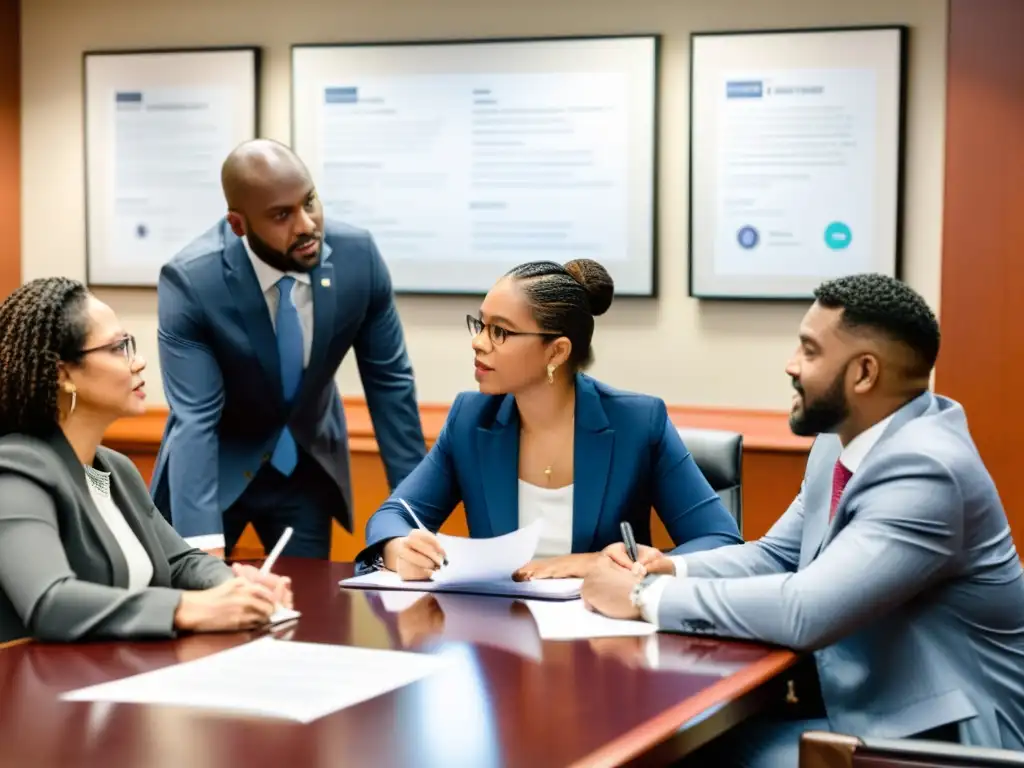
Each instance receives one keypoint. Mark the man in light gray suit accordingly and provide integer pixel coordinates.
(894, 565)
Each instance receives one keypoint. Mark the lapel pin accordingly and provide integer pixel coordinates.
(325, 282)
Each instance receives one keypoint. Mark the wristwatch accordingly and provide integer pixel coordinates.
(636, 596)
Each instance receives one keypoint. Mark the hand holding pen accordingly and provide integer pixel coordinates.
(417, 555)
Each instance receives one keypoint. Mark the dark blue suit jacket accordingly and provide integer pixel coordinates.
(221, 374)
(627, 458)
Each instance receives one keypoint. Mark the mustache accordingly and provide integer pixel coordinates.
(797, 387)
(316, 238)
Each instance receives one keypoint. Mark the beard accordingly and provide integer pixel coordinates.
(281, 260)
(823, 414)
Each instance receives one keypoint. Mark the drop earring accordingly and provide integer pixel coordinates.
(551, 374)
(72, 390)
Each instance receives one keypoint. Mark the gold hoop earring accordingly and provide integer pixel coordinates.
(551, 374)
(72, 390)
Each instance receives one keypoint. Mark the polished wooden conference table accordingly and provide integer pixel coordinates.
(509, 700)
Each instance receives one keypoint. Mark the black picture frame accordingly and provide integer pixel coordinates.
(903, 31)
(654, 291)
(257, 55)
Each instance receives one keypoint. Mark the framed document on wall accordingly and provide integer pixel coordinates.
(796, 159)
(466, 158)
(158, 126)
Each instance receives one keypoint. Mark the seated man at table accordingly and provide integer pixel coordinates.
(894, 565)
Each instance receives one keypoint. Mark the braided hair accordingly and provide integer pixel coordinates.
(42, 323)
(565, 300)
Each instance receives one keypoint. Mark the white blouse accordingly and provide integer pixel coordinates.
(140, 567)
(554, 507)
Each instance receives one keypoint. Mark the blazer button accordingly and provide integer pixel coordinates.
(266, 458)
(247, 474)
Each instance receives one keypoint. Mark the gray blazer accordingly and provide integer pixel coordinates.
(63, 576)
(912, 599)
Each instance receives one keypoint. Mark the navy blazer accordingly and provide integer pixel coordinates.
(221, 374)
(627, 458)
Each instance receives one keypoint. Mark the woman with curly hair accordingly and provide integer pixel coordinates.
(84, 554)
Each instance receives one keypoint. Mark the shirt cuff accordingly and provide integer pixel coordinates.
(209, 541)
(679, 561)
(650, 598)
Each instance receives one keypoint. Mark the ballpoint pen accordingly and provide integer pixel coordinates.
(629, 540)
(417, 521)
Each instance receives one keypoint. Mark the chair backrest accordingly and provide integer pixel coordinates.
(719, 455)
(820, 749)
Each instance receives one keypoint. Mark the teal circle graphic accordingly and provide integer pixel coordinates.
(838, 236)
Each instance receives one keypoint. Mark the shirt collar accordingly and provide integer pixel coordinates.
(268, 275)
(856, 450)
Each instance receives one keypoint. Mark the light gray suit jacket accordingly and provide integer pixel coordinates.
(63, 576)
(912, 599)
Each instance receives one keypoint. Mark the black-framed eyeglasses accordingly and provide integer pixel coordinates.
(497, 334)
(125, 345)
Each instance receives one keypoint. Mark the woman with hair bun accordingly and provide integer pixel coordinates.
(541, 440)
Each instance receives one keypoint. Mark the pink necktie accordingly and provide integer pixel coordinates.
(840, 477)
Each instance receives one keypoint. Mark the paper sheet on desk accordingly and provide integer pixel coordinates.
(571, 621)
(271, 678)
(488, 559)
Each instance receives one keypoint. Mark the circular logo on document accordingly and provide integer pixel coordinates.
(141, 231)
(747, 237)
(838, 236)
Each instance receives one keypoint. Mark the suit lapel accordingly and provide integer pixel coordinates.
(498, 448)
(912, 410)
(593, 441)
(251, 304)
(118, 564)
(144, 533)
(324, 306)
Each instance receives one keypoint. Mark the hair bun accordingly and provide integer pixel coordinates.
(596, 282)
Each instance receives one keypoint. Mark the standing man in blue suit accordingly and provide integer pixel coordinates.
(894, 565)
(255, 316)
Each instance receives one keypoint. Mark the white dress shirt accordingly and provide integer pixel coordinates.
(554, 507)
(852, 456)
(302, 296)
(140, 567)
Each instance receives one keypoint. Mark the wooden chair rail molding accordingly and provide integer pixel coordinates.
(773, 464)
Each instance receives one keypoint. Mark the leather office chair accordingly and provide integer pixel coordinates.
(821, 749)
(719, 454)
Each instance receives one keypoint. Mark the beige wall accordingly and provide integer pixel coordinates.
(680, 349)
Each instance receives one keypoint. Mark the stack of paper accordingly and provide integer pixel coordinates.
(271, 678)
(481, 566)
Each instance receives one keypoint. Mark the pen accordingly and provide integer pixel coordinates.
(276, 551)
(628, 540)
(417, 521)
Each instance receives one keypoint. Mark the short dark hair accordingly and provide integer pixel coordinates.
(888, 306)
(41, 323)
(565, 299)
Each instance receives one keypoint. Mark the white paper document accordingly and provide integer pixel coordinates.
(571, 621)
(282, 614)
(271, 678)
(488, 559)
(481, 566)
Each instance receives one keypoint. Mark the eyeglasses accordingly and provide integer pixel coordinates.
(124, 345)
(497, 334)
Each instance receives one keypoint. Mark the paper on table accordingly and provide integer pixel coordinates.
(283, 614)
(571, 621)
(294, 681)
(540, 589)
(488, 559)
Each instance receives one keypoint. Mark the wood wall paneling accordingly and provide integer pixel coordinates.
(982, 359)
(10, 146)
(773, 466)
